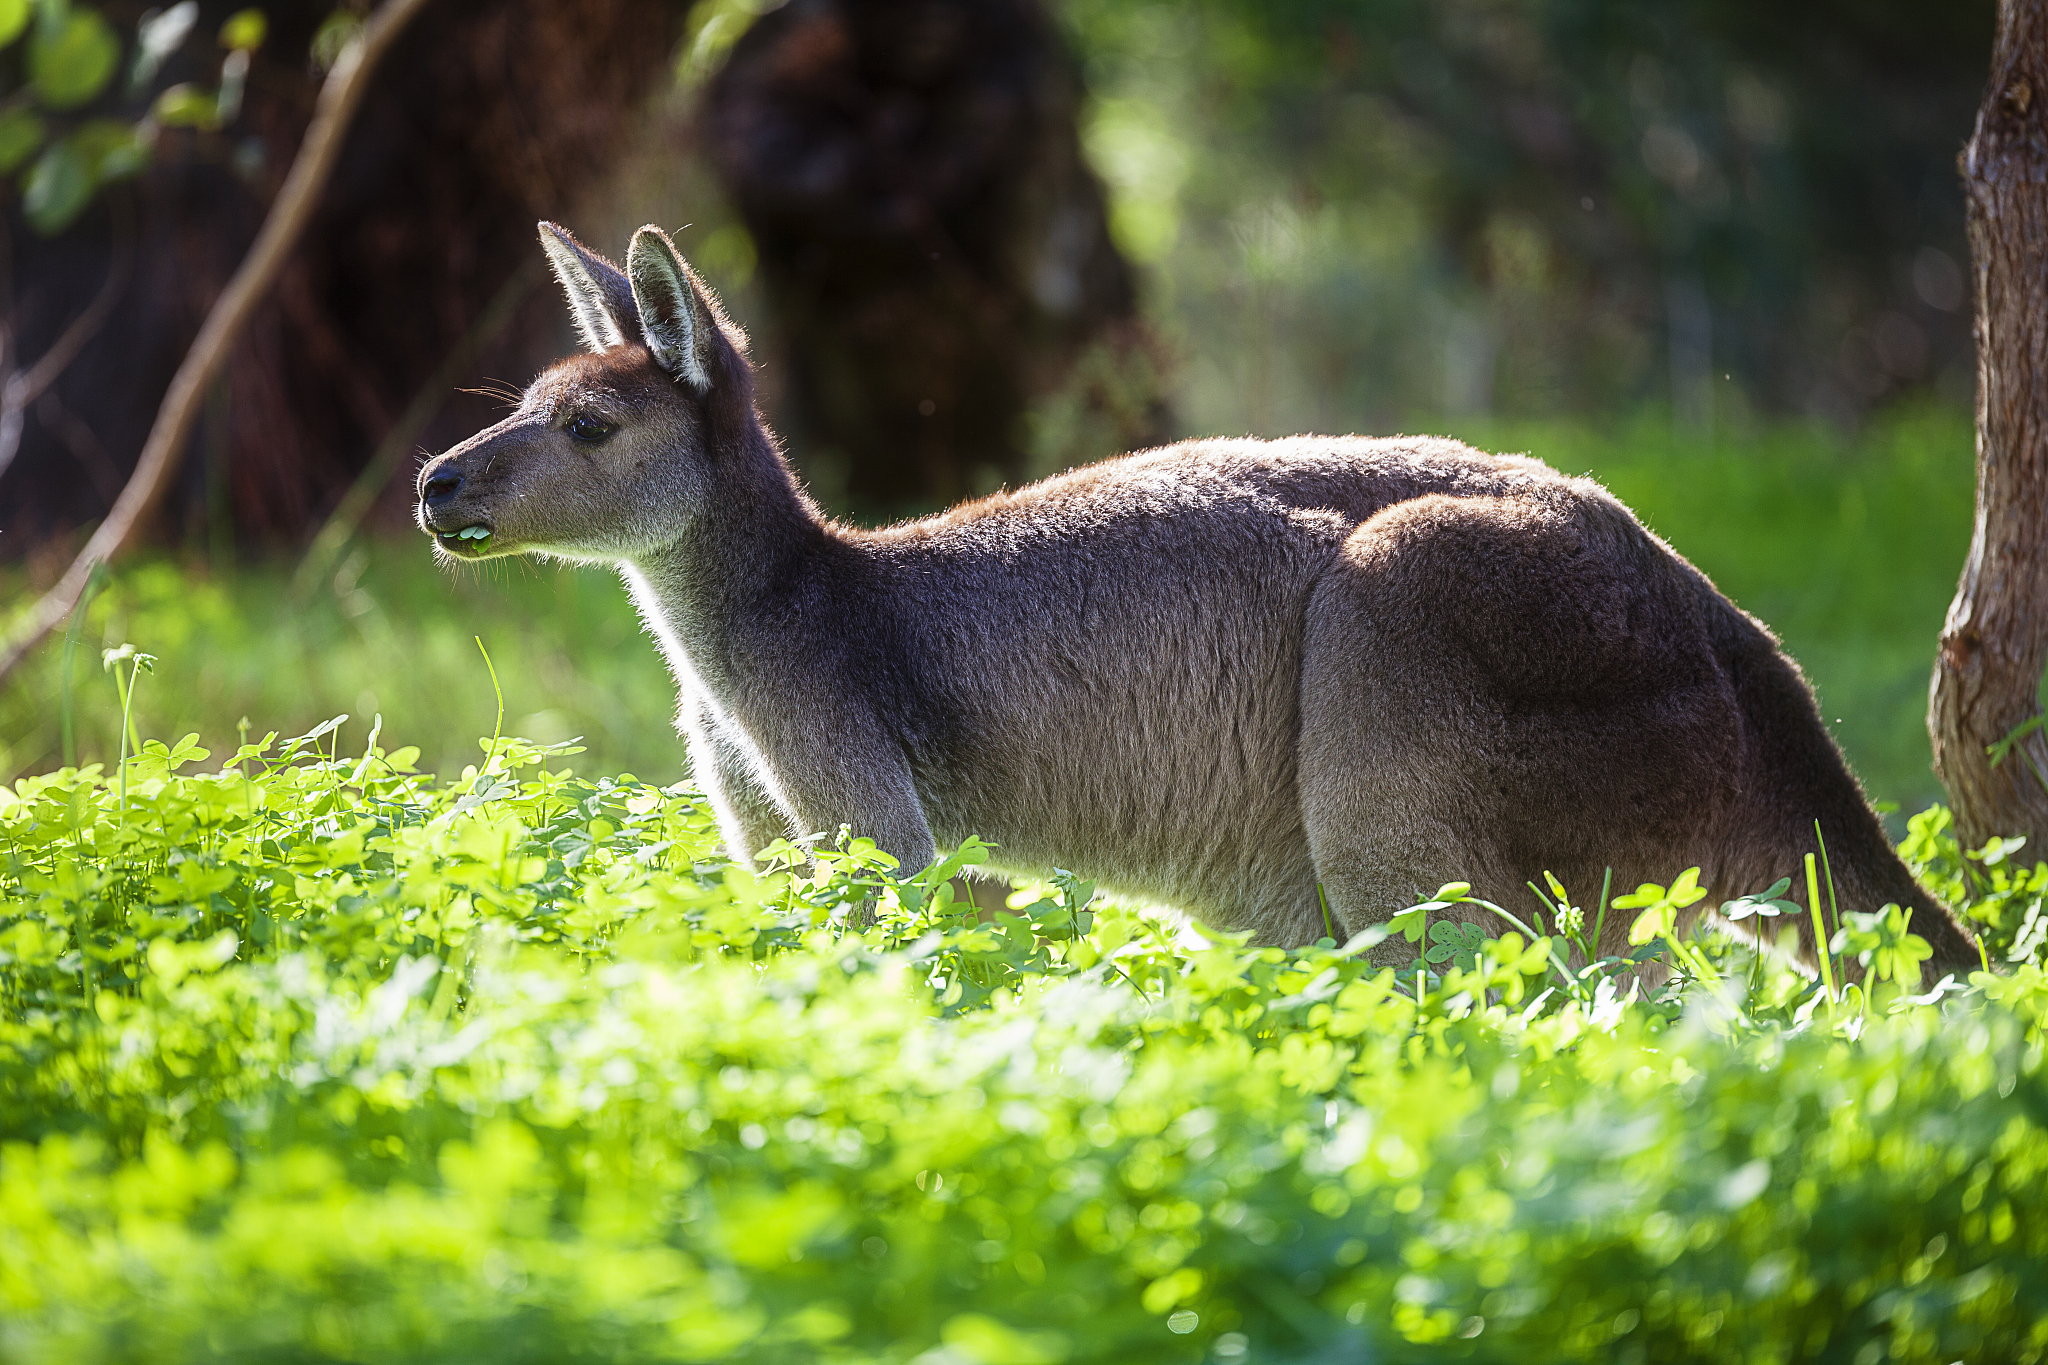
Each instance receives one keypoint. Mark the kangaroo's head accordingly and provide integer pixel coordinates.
(612, 454)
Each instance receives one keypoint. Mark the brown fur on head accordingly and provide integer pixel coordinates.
(606, 456)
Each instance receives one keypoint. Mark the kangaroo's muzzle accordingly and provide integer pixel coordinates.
(440, 515)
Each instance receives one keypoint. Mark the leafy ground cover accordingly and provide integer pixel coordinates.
(1849, 548)
(316, 1057)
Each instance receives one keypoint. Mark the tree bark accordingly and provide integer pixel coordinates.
(1988, 674)
(933, 247)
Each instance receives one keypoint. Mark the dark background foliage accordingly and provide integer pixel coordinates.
(487, 117)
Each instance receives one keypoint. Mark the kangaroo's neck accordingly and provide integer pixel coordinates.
(705, 594)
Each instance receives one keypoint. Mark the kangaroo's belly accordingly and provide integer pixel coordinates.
(1152, 747)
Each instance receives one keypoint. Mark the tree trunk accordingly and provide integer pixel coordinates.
(933, 247)
(1988, 675)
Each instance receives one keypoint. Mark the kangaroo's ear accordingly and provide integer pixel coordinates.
(677, 321)
(600, 299)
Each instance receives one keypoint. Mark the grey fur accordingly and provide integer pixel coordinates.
(1212, 675)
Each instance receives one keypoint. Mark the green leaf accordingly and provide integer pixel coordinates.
(1659, 921)
(57, 189)
(244, 30)
(110, 147)
(1999, 750)
(1884, 942)
(1410, 921)
(187, 751)
(1769, 903)
(71, 56)
(187, 106)
(1649, 893)
(322, 730)
(21, 132)
(1456, 942)
(13, 19)
(1997, 850)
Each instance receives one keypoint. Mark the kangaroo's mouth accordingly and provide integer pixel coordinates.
(471, 542)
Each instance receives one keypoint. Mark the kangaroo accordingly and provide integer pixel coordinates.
(1253, 680)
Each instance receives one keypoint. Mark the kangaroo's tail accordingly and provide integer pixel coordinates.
(1794, 777)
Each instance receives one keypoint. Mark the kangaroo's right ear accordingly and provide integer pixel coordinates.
(600, 297)
(677, 321)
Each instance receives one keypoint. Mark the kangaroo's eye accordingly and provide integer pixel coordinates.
(588, 429)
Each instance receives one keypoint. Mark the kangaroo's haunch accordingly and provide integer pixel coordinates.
(1215, 674)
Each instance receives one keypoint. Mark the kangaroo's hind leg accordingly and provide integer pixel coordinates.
(1496, 687)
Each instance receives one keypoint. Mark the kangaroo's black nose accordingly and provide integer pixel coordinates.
(442, 487)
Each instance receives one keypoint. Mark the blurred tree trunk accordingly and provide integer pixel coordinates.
(1988, 675)
(483, 119)
(934, 249)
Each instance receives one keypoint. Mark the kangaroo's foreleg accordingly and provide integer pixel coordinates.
(831, 764)
(750, 815)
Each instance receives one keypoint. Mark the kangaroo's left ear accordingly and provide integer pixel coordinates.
(677, 319)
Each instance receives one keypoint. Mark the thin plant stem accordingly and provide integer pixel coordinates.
(1421, 956)
(498, 726)
(127, 715)
(1600, 923)
(126, 691)
(1555, 960)
(1690, 959)
(1827, 975)
(1834, 910)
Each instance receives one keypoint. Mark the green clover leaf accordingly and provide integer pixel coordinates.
(1455, 942)
(1766, 904)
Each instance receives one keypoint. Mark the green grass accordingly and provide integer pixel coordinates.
(391, 634)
